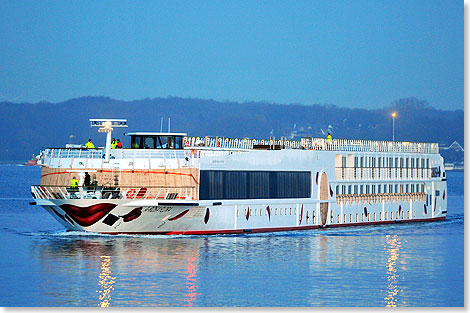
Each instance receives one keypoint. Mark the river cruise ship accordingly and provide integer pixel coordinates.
(172, 183)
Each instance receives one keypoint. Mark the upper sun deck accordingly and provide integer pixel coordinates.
(211, 146)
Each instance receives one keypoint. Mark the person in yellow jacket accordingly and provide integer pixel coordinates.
(329, 138)
(74, 183)
(89, 144)
(113, 144)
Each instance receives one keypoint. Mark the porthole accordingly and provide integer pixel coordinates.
(380, 215)
(374, 216)
(337, 221)
(313, 217)
(280, 211)
(386, 215)
(275, 211)
(255, 211)
(350, 218)
(357, 217)
(285, 212)
(344, 218)
(290, 211)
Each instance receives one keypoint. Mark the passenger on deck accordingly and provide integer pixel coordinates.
(119, 144)
(89, 144)
(113, 144)
(329, 139)
(87, 179)
(74, 182)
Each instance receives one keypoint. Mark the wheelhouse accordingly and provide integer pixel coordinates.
(141, 140)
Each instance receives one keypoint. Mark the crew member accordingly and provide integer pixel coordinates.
(87, 181)
(119, 144)
(74, 183)
(89, 144)
(329, 138)
(113, 144)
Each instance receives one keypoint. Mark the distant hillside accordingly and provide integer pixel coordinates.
(28, 127)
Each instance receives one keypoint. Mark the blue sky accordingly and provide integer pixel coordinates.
(347, 53)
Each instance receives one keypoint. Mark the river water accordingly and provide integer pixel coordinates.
(404, 265)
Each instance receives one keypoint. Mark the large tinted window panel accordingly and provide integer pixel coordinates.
(254, 185)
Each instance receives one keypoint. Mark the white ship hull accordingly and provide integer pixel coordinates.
(231, 217)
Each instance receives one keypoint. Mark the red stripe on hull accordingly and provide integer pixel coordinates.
(275, 229)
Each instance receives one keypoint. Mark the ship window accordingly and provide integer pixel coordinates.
(349, 189)
(337, 189)
(380, 215)
(313, 217)
(373, 188)
(136, 142)
(149, 142)
(367, 189)
(355, 189)
(350, 218)
(343, 189)
(380, 189)
(362, 189)
(437, 193)
(407, 188)
(253, 185)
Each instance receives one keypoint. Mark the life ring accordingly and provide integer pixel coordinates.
(218, 143)
(130, 194)
(186, 144)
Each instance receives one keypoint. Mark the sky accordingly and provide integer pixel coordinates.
(362, 54)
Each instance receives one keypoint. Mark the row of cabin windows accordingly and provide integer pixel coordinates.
(378, 188)
(388, 162)
(370, 217)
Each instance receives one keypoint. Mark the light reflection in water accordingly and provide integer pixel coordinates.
(106, 281)
(393, 247)
(191, 281)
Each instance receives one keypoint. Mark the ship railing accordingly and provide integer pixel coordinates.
(313, 144)
(47, 155)
(120, 192)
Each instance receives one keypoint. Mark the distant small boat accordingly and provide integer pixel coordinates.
(32, 162)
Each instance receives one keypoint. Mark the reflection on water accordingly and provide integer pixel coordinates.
(106, 282)
(392, 247)
(191, 282)
(336, 267)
